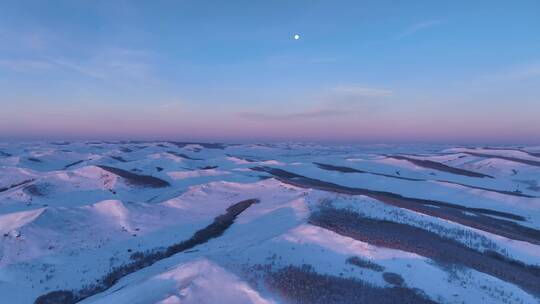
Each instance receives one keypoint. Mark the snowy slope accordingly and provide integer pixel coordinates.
(174, 222)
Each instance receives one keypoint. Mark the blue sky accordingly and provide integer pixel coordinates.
(362, 71)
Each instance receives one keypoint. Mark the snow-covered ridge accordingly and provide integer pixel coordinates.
(150, 222)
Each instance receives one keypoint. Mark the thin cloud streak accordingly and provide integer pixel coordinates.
(521, 72)
(322, 113)
(42, 50)
(413, 29)
(360, 92)
(26, 65)
(332, 102)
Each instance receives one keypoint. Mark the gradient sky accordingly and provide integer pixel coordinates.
(362, 71)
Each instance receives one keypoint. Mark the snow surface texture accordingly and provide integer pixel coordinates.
(173, 222)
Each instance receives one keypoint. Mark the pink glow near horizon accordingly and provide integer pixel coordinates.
(332, 129)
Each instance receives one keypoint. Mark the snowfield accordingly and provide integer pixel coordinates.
(176, 222)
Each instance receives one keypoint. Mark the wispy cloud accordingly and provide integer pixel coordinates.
(415, 28)
(39, 39)
(105, 69)
(41, 51)
(408, 31)
(517, 72)
(112, 69)
(330, 102)
(25, 65)
(308, 114)
(503, 77)
(359, 92)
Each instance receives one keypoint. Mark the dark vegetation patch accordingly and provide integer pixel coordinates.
(159, 169)
(442, 250)
(119, 158)
(353, 170)
(4, 154)
(144, 259)
(393, 278)
(304, 285)
(37, 189)
(35, 160)
(126, 149)
(514, 159)
(182, 155)
(478, 218)
(512, 193)
(2, 189)
(208, 167)
(338, 168)
(137, 179)
(57, 297)
(73, 164)
(220, 224)
(219, 146)
(283, 174)
(439, 166)
(531, 184)
(362, 263)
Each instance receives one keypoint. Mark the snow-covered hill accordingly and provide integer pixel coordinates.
(175, 222)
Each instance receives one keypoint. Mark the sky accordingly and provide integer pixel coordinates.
(231, 71)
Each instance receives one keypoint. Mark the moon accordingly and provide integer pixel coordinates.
(296, 37)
